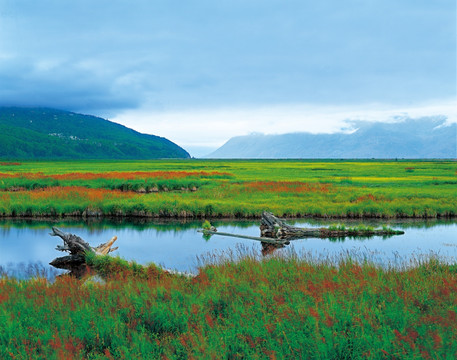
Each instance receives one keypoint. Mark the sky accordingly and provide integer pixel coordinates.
(200, 72)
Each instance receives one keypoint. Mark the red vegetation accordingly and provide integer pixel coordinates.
(10, 164)
(75, 192)
(313, 313)
(286, 186)
(131, 175)
(209, 320)
(368, 197)
(201, 279)
(249, 308)
(4, 297)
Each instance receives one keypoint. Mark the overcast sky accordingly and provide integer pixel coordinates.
(199, 72)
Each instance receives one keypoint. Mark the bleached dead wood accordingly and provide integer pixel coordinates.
(276, 228)
(78, 248)
(75, 245)
(276, 231)
(262, 239)
(273, 227)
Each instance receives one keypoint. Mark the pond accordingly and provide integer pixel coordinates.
(26, 246)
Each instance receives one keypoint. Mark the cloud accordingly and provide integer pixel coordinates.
(104, 56)
(211, 128)
(67, 85)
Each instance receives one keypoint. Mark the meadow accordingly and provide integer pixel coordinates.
(279, 308)
(209, 188)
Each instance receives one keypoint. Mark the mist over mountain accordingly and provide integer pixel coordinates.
(411, 138)
(42, 133)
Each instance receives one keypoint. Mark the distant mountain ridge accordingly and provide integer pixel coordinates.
(43, 133)
(412, 138)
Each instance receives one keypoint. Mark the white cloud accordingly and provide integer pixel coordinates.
(211, 128)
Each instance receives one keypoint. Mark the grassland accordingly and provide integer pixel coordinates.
(204, 188)
(273, 309)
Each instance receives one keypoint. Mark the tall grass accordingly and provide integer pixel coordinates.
(279, 308)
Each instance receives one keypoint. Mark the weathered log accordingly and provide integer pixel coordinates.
(72, 243)
(276, 228)
(273, 227)
(68, 262)
(261, 239)
(78, 248)
(276, 231)
(105, 249)
(75, 263)
(75, 245)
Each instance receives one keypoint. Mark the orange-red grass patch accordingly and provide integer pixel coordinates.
(370, 197)
(130, 175)
(74, 192)
(286, 186)
(10, 164)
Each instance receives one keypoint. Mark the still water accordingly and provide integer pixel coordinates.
(26, 246)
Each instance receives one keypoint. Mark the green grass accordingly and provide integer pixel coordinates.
(230, 188)
(358, 228)
(272, 309)
(277, 308)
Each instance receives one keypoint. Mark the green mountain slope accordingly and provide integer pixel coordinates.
(41, 133)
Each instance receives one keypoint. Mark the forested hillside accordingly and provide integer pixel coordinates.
(42, 133)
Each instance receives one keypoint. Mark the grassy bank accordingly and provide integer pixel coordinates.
(273, 309)
(203, 188)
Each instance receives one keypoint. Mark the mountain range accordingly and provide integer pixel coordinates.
(410, 138)
(43, 133)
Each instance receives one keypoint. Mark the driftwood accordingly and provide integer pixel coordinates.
(273, 227)
(262, 239)
(276, 233)
(77, 247)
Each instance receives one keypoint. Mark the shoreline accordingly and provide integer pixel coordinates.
(142, 215)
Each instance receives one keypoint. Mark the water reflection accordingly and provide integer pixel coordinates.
(29, 270)
(163, 225)
(269, 248)
(176, 244)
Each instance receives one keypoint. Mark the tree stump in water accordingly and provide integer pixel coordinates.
(273, 227)
(77, 247)
(276, 228)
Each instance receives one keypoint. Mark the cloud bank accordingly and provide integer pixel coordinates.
(203, 130)
(106, 56)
